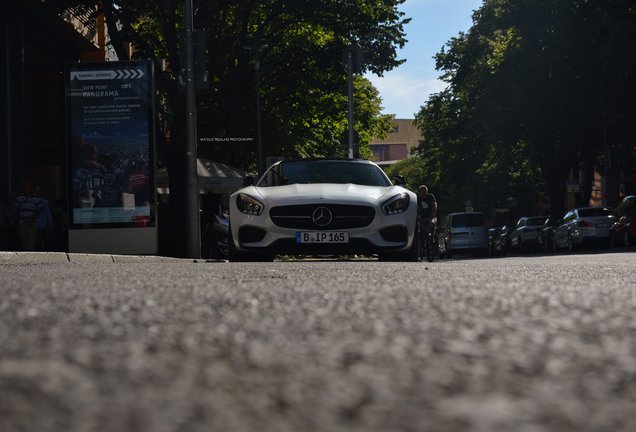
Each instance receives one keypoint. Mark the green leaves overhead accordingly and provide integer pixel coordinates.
(533, 95)
(299, 45)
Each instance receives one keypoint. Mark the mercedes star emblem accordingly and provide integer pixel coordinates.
(322, 216)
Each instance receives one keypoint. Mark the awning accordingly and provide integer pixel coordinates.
(214, 177)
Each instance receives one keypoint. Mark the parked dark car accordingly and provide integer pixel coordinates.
(493, 234)
(546, 235)
(623, 231)
(501, 243)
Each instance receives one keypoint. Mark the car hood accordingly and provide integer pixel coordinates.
(326, 192)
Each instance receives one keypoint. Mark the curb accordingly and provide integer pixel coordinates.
(63, 257)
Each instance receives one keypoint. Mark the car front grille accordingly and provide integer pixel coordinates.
(322, 216)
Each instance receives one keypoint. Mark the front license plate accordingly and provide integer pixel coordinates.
(322, 237)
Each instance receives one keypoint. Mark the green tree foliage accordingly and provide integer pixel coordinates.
(536, 89)
(300, 47)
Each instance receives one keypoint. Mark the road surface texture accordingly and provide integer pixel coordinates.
(529, 344)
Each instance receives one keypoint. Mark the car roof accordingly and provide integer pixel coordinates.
(592, 207)
(364, 161)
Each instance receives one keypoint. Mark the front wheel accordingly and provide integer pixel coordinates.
(414, 254)
(449, 252)
(429, 249)
(571, 245)
(235, 255)
(548, 246)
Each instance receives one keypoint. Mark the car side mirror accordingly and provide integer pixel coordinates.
(399, 180)
(248, 181)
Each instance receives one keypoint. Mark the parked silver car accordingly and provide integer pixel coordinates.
(524, 236)
(583, 226)
(465, 231)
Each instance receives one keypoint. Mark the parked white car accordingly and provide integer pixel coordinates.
(584, 226)
(524, 236)
(323, 207)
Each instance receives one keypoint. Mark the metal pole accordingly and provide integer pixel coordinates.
(259, 140)
(193, 236)
(350, 92)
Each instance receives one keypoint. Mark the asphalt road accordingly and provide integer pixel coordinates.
(524, 344)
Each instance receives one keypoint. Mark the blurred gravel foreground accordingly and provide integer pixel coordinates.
(529, 344)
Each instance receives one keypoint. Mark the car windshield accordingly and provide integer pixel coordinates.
(468, 220)
(595, 212)
(535, 221)
(324, 171)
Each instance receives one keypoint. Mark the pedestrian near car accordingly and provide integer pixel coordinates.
(427, 209)
(8, 223)
(60, 226)
(29, 208)
(44, 224)
(11, 222)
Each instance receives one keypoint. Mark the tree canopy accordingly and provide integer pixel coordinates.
(537, 90)
(299, 46)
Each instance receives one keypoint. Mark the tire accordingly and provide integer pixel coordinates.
(237, 256)
(555, 245)
(413, 254)
(430, 250)
(571, 245)
(627, 239)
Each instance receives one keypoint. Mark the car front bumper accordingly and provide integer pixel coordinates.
(385, 233)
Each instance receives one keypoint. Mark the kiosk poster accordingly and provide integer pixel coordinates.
(110, 144)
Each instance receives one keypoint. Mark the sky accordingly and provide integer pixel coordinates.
(433, 23)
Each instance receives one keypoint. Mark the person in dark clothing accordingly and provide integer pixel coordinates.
(427, 210)
(29, 207)
(9, 223)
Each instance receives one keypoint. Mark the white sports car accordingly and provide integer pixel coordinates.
(323, 207)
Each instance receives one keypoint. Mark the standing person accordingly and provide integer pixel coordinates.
(60, 226)
(29, 208)
(138, 183)
(4, 227)
(12, 222)
(427, 210)
(44, 224)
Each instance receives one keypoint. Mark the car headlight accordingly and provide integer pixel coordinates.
(249, 205)
(397, 204)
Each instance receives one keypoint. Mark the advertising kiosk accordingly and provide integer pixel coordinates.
(110, 148)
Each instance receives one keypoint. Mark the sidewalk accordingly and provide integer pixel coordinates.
(63, 257)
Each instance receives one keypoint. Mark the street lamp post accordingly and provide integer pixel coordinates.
(193, 236)
(354, 57)
(259, 139)
(350, 95)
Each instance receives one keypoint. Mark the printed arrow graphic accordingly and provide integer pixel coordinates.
(106, 74)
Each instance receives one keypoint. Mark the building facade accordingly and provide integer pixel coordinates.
(398, 143)
(35, 45)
